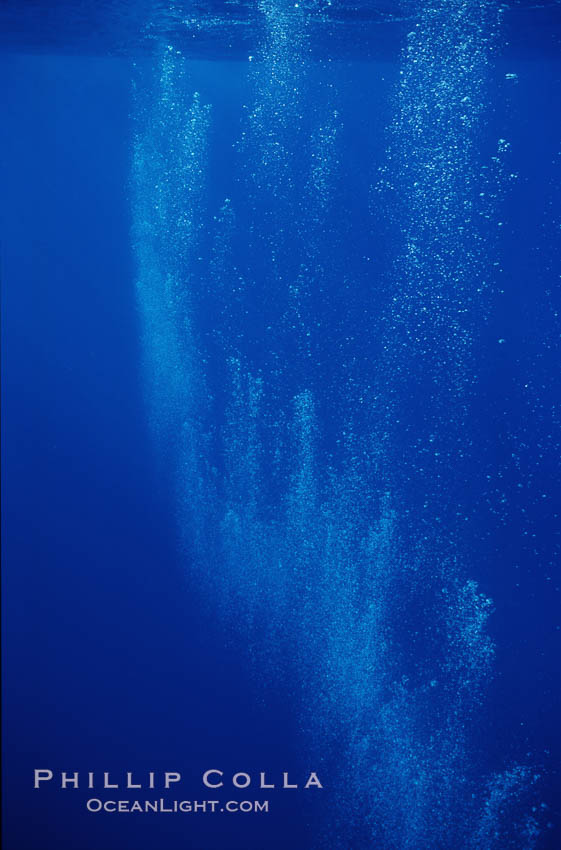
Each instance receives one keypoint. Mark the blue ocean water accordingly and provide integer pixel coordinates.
(280, 418)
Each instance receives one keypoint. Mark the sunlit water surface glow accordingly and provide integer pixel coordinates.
(230, 28)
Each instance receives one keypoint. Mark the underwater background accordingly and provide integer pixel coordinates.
(281, 418)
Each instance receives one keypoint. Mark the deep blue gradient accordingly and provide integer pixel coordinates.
(119, 652)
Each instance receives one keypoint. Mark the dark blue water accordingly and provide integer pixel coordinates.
(281, 431)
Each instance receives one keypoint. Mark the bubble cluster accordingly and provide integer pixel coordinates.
(317, 485)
